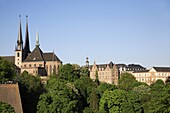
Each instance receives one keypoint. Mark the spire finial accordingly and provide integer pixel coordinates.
(19, 40)
(20, 17)
(27, 18)
(37, 39)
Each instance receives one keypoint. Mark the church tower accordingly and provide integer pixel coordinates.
(27, 45)
(19, 48)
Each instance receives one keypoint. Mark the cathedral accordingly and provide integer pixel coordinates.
(35, 62)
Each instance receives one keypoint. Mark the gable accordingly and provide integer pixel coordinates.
(35, 55)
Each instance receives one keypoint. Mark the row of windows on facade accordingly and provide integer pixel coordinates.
(147, 79)
(102, 77)
(159, 74)
(102, 73)
(134, 69)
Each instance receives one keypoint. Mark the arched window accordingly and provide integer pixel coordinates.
(17, 54)
(50, 69)
(54, 69)
(46, 68)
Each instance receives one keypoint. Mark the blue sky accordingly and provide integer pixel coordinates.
(122, 31)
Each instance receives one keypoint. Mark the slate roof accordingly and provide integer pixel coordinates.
(162, 69)
(134, 66)
(35, 55)
(38, 55)
(50, 57)
(9, 58)
(103, 65)
(141, 71)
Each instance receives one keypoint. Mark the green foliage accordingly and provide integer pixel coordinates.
(69, 72)
(97, 77)
(60, 97)
(127, 82)
(7, 70)
(30, 89)
(113, 101)
(84, 71)
(94, 100)
(104, 86)
(85, 85)
(6, 108)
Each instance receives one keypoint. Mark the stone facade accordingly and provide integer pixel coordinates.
(152, 75)
(107, 73)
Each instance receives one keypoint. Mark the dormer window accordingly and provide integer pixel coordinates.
(34, 58)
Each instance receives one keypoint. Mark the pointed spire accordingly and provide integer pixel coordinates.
(27, 45)
(37, 39)
(19, 41)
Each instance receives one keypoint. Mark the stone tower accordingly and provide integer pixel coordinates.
(19, 52)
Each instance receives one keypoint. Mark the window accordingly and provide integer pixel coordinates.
(54, 69)
(17, 54)
(30, 65)
(25, 65)
(40, 65)
(34, 65)
(50, 69)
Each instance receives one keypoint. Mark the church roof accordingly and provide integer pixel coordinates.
(35, 55)
(50, 57)
(38, 55)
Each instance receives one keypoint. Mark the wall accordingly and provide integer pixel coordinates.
(9, 93)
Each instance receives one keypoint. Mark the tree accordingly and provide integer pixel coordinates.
(127, 82)
(30, 89)
(60, 97)
(120, 101)
(69, 72)
(94, 100)
(7, 70)
(84, 71)
(105, 86)
(6, 108)
(85, 85)
(114, 101)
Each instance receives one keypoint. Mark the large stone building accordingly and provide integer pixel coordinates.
(110, 73)
(107, 73)
(36, 62)
(152, 75)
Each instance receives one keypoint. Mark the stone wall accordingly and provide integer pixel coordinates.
(9, 93)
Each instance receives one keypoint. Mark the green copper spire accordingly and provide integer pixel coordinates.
(37, 39)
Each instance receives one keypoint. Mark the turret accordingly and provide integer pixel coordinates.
(87, 62)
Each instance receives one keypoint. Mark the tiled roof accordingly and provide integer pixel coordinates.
(162, 69)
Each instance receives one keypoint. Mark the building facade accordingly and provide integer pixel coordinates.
(152, 75)
(110, 73)
(36, 62)
(107, 73)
